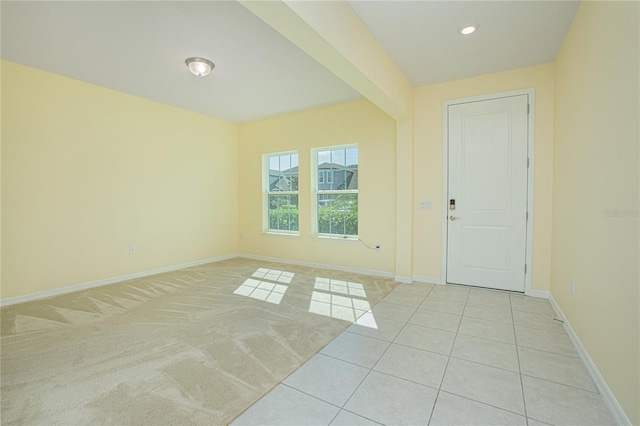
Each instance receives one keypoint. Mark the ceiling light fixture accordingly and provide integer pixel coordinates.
(468, 29)
(199, 66)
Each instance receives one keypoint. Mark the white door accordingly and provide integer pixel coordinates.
(487, 183)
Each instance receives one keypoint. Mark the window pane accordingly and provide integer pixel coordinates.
(352, 157)
(274, 163)
(293, 181)
(338, 214)
(283, 172)
(351, 171)
(338, 169)
(283, 212)
(338, 156)
(285, 162)
(351, 178)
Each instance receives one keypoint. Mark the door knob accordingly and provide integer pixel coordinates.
(452, 217)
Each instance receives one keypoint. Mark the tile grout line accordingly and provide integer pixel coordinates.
(340, 359)
(408, 323)
(406, 380)
(449, 356)
(415, 310)
(327, 402)
(563, 384)
(340, 408)
(547, 352)
(376, 363)
(486, 365)
(484, 403)
(541, 329)
(446, 367)
(524, 401)
(411, 381)
(404, 345)
(356, 414)
(317, 353)
(308, 394)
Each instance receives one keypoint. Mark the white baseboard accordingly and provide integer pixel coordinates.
(84, 286)
(607, 395)
(542, 294)
(371, 272)
(427, 280)
(403, 279)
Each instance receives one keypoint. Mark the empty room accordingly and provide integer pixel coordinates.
(320, 212)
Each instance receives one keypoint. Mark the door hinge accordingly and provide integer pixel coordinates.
(528, 109)
(525, 268)
(527, 216)
(527, 162)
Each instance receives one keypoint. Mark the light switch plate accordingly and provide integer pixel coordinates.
(426, 205)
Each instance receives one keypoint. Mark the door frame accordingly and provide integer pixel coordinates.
(445, 177)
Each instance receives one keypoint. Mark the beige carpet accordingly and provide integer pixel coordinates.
(195, 346)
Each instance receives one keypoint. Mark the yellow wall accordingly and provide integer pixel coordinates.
(427, 154)
(87, 171)
(1, 63)
(354, 122)
(596, 168)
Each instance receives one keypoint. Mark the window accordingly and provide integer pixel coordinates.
(325, 176)
(281, 179)
(337, 191)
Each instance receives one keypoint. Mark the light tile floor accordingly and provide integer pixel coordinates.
(441, 355)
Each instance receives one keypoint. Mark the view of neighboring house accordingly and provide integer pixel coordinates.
(332, 176)
(283, 180)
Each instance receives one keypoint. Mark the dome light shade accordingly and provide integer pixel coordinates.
(468, 29)
(199, 66)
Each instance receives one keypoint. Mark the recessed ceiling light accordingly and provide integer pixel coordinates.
(199, 66)
(468, 29)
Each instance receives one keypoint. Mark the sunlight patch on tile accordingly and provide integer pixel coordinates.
(367, 320)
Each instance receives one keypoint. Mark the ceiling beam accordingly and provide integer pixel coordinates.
(333, 34)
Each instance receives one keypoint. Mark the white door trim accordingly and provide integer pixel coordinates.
(445, 176)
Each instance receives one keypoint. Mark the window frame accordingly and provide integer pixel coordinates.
(266, 193)
(315, 192)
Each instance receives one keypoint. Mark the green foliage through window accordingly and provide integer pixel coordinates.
(283, 213)
(338, 214)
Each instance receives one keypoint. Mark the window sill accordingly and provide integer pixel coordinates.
(293, 235)
(336, 239)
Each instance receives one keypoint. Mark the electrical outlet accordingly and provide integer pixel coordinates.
(132, 249)
(573, 285)
(426, 205)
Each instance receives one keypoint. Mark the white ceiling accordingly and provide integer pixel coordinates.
(139, 47)
(422, 38)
